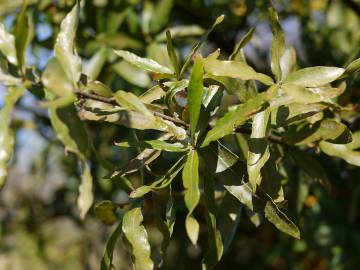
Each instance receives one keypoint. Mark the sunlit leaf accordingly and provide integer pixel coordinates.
(341, 151)
(7, 45)
(243, 193)
(192, 194)
(235, 55)
(86, 197)
(64, 48)
(94, 65)
(160, 15)
(131, 102)
(155, 144)
(181, 31)
(314, 76)
(137, 239)
(277, 45)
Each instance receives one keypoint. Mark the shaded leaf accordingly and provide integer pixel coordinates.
(160, 15)
(94, 65)
(137, 239)
(172, 54)
(155, 144)
(180, 31)
(106, 261)
(241, 44)
(277, 45)
(105, 211)
(192, 194)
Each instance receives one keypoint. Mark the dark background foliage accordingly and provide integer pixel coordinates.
(39, 224)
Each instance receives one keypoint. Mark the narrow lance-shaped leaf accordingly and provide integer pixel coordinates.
(215, 250)
(94, 65)
(258, 147)
(172, 54)
(235, 69)
(106, 261)
(155, 144)
(137, 239)
(6, 134)
(22, 32)
(160, 15)
(192, 194)
(225, 125)
(144, 63)
(243, 193)
(64, 48)
(195, 93)
(341, 151)
(277, 45)
(7, 45)
(241, 44)
(86, 197)
(314, 76)
(105, 211)
(181, 31)
(129, 101)
(197, 46)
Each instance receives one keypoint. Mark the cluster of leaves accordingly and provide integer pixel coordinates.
(293, 112)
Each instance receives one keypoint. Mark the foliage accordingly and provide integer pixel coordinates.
(160, 104)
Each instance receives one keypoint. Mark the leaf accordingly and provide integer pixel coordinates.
(22, 37)
(9, 80)
(314, 76)
(106, 261)
(192, 194)
(195, 94)
(160, 15)
(352, 68)
(277, 45)
(64, 49)
(197, 46)
(70, 130)
(243, 193)
(154, 93)
(105, 211)
(235, 69)
(86, 197)
(162, 181)
(6, 135)
(241, 44)
(131, 102)
(180, 31)
(137, 239)
(225, 158)
(287, 62)
(233, 119)
(172, 54)
(280, 220)
(311, 167)
(7, 45)
(342, 151)
(259, 152)
(215, 250)
(155, 144)
(94, 65)
(132, 74)
(143, 63)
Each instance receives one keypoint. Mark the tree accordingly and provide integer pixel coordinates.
(213, 156)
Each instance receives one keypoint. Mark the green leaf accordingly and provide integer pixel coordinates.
(287, 62)
(192, 194)
(235, 55)
(342, 151)
(106, 261)
(94, 65)
(277, 45)
(6, 134)
(132, 74)
(197, 46)
(137, 239)
(314, 76)
(181, 31)
(215, 250)
(311, 167)
(352, 68)
(64, 48)
(235, 69)
(154, 93)
(9, 80)
(259, 152)
(195, 93)
(279, 219)
(233, 119)
(143, 63)
(225, 158)
(172, 54)
(155, 144)
(160, 15)
(55, 80)
(105, 211)
(131, 102)
(7, 45)
(22, 37)
(86, 197)
(162, 182)
(243, 193)
(70, 130)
